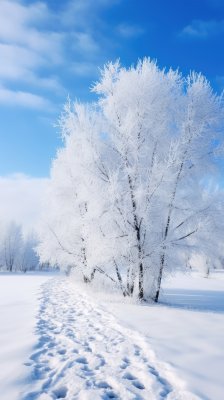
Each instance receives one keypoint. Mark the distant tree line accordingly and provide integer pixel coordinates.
(17, 251)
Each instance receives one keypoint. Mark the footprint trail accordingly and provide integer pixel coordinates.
(83, 353)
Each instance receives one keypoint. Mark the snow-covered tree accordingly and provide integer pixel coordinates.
(129, 190)
(11, 246)
(28, 258)
(17, 251)
(70, 235)
(164, 131)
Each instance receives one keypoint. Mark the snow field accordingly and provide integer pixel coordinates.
(88, 346)
(83, 353)
(18, 308)
(186, 329)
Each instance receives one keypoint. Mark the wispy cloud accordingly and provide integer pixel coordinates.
(129, 31)
(40, 46)
(85, 13)
(84, 68)
(202, 29)
(84, 43)
(27, 49)
(19, 61)
(22, 64)
(21, 25)
(24, 99)
(88, 38)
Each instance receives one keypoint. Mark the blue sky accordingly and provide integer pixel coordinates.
(52, 48)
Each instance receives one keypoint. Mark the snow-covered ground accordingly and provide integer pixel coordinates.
(83, 353)
(100, 349)
(18, 308)
(186, 331)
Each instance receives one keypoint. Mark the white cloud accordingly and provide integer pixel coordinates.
(84, 43)
(24, 99)
(18, 26)
(84, 13)
(21, 199)
(19, 62)
(83, 68)
(85, 22)
(202, 29)
(39, 45)
(50, 83)
(26, 48)
(129, 31)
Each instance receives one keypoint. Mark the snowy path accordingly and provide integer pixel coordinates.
(83, 353)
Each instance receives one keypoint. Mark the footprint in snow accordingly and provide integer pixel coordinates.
(103, 385)
(102, 362)
(60, 393)
(27, 364)
(81, 360)
(134, 380)
(138, 385)
(137, 350)
(125, 363)
(87, 370)
(61, 351)
(109, 395)
(129, 376)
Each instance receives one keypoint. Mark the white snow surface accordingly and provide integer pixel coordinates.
(185, 330)
(18, 308)
(83, 353)
(85, 348)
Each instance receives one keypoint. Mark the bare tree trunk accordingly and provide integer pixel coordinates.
(130, 282)
(138, 238)
(162, 259)
(119, 277)
(86, 279)
(141, 281)
(162, 262)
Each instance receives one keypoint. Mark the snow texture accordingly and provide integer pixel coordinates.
(185, 330)
(83, 353)
(18, 307)
(99, 348)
